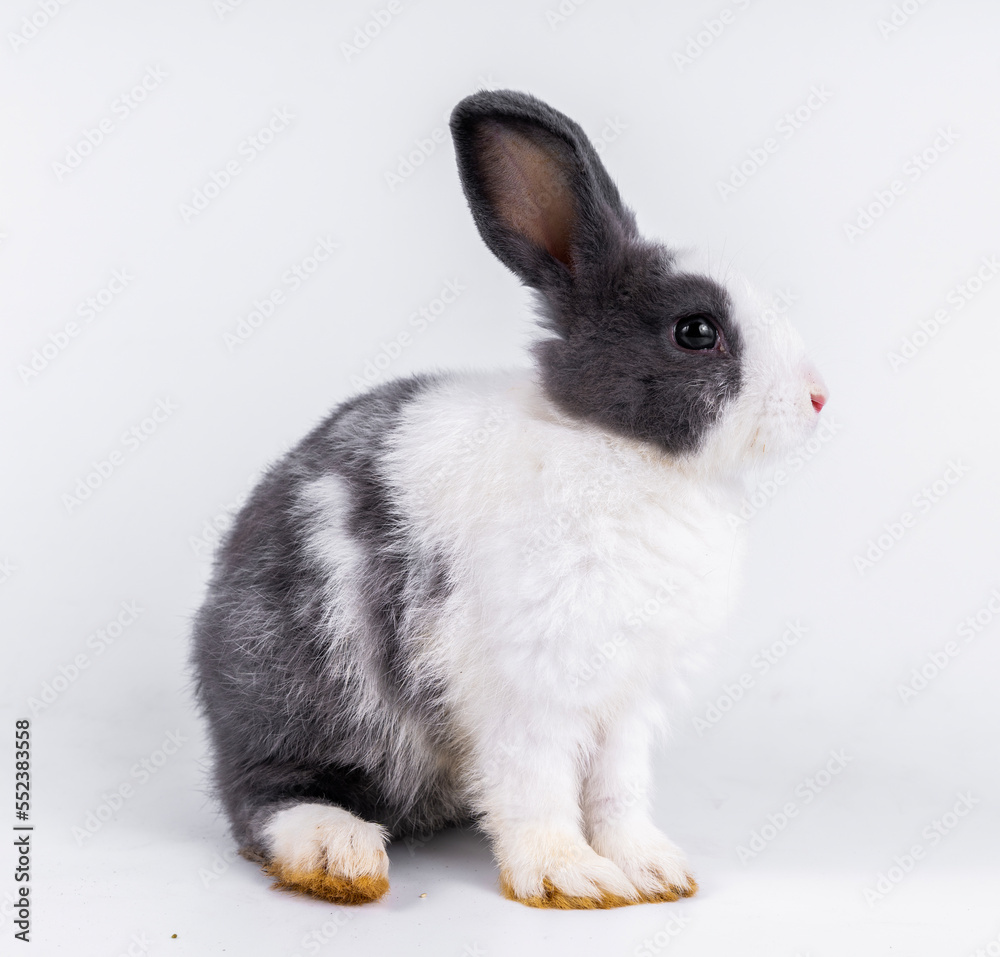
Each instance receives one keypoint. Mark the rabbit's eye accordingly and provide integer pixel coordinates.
(696, 332)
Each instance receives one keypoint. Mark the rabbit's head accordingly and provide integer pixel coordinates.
(643, 341)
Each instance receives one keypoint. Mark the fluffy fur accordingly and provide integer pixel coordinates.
(456, 598)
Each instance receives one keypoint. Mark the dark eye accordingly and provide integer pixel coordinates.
(696, 332)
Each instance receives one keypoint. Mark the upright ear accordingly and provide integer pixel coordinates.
(538, 192)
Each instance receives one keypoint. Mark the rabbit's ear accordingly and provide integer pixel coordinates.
(538, 192)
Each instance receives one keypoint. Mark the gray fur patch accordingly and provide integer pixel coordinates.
(614, 362)
(547, 207)
(288, 720)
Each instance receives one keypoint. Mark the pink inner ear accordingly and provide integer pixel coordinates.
(529, 189)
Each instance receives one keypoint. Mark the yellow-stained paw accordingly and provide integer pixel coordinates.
(651, 861)
(671, 892)
(553, 897)
(327, 852)
(326, 886)
(552, 867)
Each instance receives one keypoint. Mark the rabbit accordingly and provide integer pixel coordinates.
(435, 609)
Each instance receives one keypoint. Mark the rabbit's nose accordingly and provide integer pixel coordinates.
(818, 392)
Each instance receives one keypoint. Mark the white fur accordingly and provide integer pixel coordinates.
(589, 566)
(324, 503)
(540, 646)
(532, 854)
(774, 409)
(310, 837)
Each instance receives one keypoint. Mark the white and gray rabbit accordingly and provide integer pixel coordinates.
(436, 608)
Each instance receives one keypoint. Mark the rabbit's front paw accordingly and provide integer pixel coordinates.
(556, 870)
(650, 860)
(327, 852)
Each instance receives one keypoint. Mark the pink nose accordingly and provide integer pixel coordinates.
(817, 388)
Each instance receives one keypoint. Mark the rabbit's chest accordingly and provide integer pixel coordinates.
(597, 592)
(650, 579)
(580, 566)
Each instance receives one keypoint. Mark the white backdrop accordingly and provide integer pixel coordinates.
(173, 172)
